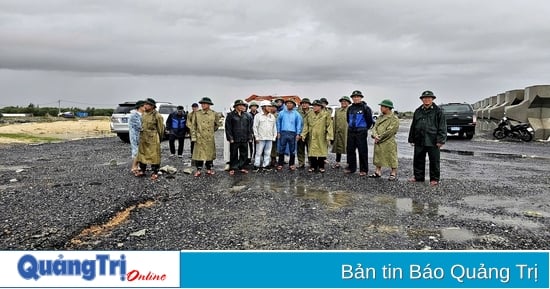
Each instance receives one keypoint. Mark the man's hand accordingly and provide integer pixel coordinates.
(439, 145)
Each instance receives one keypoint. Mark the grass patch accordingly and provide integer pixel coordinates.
(29, 138)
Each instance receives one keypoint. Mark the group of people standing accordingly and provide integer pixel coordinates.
(281, 127)
(311, 129)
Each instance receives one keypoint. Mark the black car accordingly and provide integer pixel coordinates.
(461, 119)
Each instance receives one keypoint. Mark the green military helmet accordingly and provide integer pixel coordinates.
(274, 103)
(427, 93)
(290, 100)
(324, 100)
(151, 102)
(239, 102)
(305, 100)
(345, 98)
(253, 103)
(206, 100)
(139, 103)
(387, 103)
(317, 102)
(357, 93)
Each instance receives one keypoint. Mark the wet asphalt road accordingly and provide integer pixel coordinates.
(80, 195)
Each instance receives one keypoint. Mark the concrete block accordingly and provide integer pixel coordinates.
(497, 111)
(538, 110)
(517, 110)
(492, 102)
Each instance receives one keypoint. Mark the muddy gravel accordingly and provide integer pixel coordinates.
(80, 195)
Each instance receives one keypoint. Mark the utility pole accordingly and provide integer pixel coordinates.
(59, 107)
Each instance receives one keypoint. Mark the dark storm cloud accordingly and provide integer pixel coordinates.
(394, 46)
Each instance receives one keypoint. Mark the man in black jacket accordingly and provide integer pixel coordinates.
(238, 132)
(359, 117)
(176, 128)
(428, 134)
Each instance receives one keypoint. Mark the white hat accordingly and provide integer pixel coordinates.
(265, 103)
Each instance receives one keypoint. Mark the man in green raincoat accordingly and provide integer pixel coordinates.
(204, 123)
(340, 126)
(152, 132)
(428, 134)
(304, 110)
(318, 127)
(385, 146)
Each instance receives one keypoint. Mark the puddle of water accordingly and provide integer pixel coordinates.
(412, 206)
(453, 234)
(14, 168)
(490, 218)
(457, 234)
(493, 155)
(102, 229)
(332, 199)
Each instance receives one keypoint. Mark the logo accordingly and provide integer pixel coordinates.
(31, 268)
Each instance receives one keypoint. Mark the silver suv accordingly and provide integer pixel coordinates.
(119, 119)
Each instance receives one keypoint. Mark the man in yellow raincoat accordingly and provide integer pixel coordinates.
(152, 132)
(340, 126)
(385, 146)
(204, 123)
(318, 127)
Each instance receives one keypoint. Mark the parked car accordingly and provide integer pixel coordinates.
(461, 119)
(66, 114)
(119, 119)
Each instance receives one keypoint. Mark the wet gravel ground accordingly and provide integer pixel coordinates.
(80, 195)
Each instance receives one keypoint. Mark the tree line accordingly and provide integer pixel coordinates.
(35, 110)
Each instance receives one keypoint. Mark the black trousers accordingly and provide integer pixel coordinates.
(154, 167)
(317, 162)
(209, 164)
(171, 142)
(238, 153)
(357, 140)
(419, 162)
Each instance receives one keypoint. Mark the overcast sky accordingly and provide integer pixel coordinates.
(100, 53)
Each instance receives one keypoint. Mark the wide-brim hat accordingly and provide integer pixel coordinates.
(139, 103)
(386, 103)
(239, 102)
(345, 98)
(323, 100)
(265, 103)
(253, 103)
(356, 92)
(151, 102)
(290, 100)
(317, 102)
(305, 100)
(427, 93)
(206, 100)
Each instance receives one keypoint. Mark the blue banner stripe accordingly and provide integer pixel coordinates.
(308, 269)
